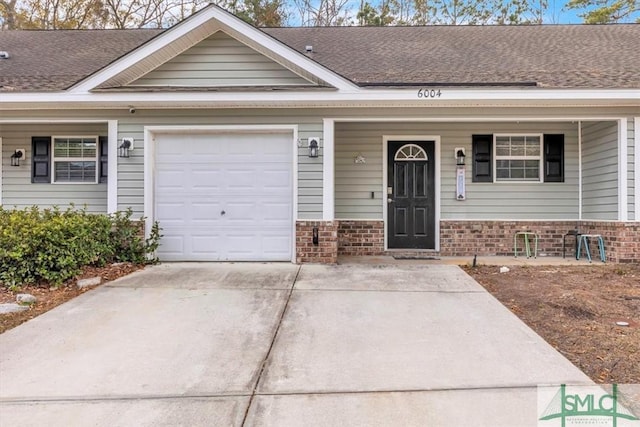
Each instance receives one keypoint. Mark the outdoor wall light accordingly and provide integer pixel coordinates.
(460, 156)
(313, 147)
(16, 156)
(125, 147)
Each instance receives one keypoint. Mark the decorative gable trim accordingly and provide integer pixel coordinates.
(193, 30)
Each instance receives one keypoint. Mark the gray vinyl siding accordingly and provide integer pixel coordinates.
(17, 189)
(355, 182)
(600, 170)
(551, 200)
(220, 61)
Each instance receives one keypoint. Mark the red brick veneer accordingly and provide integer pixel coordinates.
(326, 251)
(361, 238)
(462, 238)
(621, 239)
(465, 238)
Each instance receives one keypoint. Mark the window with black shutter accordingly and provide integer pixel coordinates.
(41, 159)
(553, 158)
(482, 158)
(69, 159)
(104, 156)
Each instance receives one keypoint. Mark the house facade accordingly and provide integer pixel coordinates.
(303, 144)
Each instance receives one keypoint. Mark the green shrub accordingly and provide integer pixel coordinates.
(51, 245)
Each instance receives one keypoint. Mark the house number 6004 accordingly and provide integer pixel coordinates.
(429, 93)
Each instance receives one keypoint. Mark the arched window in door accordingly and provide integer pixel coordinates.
(410, 152)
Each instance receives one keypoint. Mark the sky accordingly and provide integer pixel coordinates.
(556, 13)
(559, 16)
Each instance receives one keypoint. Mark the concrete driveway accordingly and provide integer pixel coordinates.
(279, 345)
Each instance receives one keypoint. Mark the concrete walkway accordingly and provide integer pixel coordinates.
(279, 345)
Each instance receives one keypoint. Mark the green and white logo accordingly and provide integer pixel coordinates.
(591, 406)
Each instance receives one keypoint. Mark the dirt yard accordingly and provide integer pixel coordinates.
(576, 310)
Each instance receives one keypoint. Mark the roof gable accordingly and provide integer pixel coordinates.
(190, 32)
(220, 61)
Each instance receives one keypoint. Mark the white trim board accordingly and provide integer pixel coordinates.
(623, 149)
(1, 160)
(437, 189)
(149, 162)
(112, 166)
(579, 170)
(360, 97)
(636, 167)
(328, 173)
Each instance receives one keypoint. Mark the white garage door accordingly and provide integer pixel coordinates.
(224, 197)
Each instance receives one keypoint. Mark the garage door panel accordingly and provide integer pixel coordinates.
(206, 214)
(249, 177)
(201, 245)
(274, 213)
(171, 213)
(203, 179)
(275, 178)
(243, 245)
(172, 245)
(170, 180)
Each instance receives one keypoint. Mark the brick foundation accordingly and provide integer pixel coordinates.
(466, 238)
(326, 251)
(621, 239)
(361, 238)
(462, 238)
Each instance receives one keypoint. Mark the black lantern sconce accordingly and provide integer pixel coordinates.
(16, 156)
(125, 147)
(460, 156)
(313, 147)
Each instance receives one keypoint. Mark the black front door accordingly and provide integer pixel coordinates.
(411, 195)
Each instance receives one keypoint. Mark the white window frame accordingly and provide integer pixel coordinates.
(55, 159)
(540, 159)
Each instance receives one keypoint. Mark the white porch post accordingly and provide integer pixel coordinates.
(579, 170)
(0, 171)
(622, 170)
(328, 160)
(636, 167)
(112, 154)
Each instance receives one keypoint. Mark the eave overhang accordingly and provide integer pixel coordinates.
(409, 97)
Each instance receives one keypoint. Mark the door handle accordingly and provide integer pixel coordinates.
(389, 200)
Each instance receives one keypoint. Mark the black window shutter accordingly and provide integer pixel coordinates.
(482, 158)
(554, 158)
(41, 159)
(104, 157)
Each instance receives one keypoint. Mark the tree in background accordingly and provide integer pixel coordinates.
(72, 14)
(607, 11)
(263, 13)
(53, 14)
(375, 16)
(321, 13)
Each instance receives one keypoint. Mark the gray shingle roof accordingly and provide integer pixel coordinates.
(55, 60)
(566, 56)
(563, 56)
